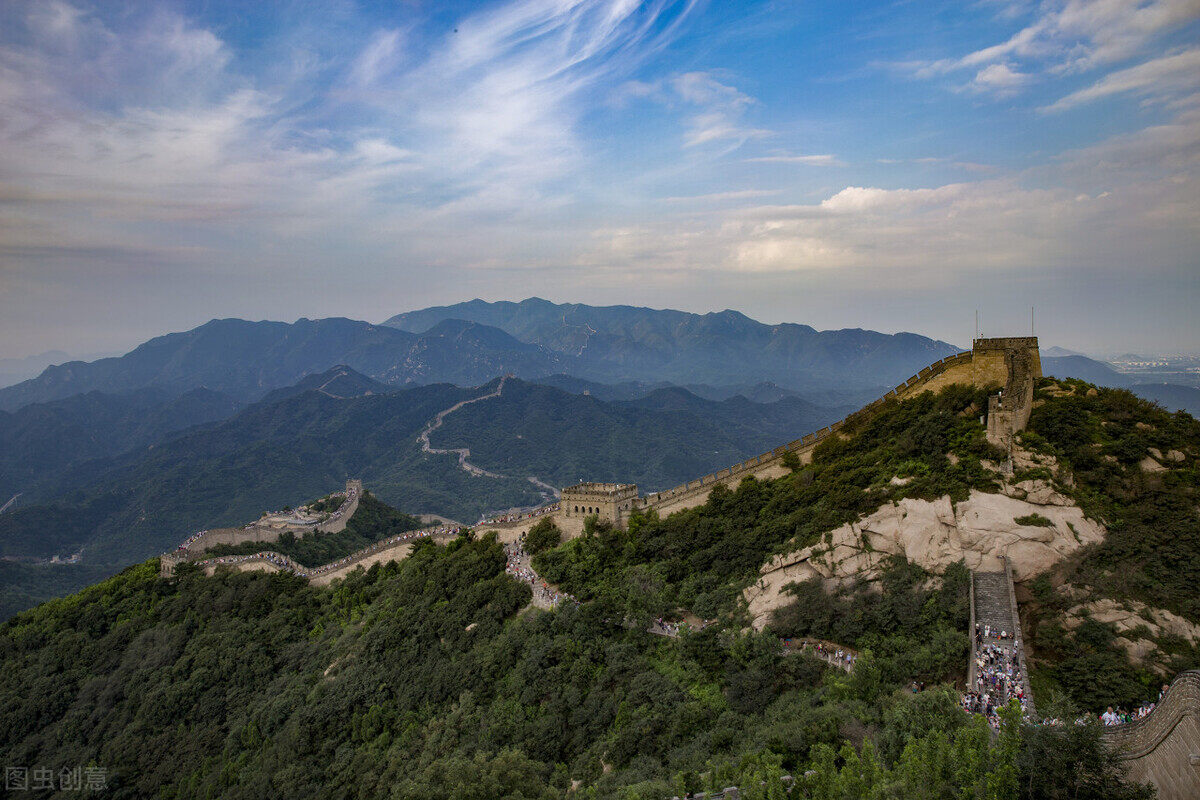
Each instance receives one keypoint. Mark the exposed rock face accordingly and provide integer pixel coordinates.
(1130, 616)
(934, 535)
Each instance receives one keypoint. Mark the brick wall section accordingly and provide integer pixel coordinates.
(1006, 362)
(951, 369)
(1163, 748)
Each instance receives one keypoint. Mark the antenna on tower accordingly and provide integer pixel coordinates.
(1032, 331)
(976, 324)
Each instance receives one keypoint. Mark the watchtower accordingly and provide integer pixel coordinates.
(1016, 364)
(608, 501)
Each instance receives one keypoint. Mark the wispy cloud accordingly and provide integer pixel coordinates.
(1074, 36)
(723, 197)
(1159, 77)
(815, 160)
(720, 111)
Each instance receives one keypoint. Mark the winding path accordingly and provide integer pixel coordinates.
(463, 453)
(13, 499)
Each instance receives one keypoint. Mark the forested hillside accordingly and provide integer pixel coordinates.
(421, 679)
(299, 443)
(44, 439)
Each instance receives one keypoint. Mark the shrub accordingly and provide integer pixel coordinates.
(543, 536)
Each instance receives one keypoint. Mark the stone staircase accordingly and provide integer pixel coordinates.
(994, 604)
(991, 601)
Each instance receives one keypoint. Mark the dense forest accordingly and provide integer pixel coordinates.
(433, 677)
(423, 679)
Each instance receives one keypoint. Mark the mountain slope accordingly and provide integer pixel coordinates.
(1084, 369)
(626, 343)
(1170, 396)
(143, 502)
(45, 438)
(248, 359)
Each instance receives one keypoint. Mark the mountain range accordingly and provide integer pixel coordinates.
(119, 458)
(623, 343)
(142, 498)
(470, 344)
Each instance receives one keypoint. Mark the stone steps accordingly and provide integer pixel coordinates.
(995, 606)
(992, 606)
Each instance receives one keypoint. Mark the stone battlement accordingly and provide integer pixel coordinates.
(608, 501)
(593, 489)
(1010, 364)
(1163, 747)
(1005, 343)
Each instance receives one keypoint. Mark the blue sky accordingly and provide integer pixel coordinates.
(884, 165)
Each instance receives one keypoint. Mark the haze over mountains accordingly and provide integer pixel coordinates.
(120, 458)
(460, 345)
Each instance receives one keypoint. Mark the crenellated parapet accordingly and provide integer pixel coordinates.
(1010, 364)
(607, 501)
(1163, 747)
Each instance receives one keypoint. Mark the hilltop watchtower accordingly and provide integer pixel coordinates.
(1015, 363)
(608, 501)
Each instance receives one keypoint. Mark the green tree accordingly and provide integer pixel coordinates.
(543, 536)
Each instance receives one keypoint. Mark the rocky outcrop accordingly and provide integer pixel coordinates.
(980, 532)
(1137, 626)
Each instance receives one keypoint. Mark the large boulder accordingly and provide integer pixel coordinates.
(1138, 627)
(979, 531)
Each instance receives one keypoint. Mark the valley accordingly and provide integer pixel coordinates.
(718, 547)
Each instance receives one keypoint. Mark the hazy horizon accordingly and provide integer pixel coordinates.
(893, 168)
(962, 343)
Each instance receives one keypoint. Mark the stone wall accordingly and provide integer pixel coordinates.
(1163, 748)
(608, 501)
(511, 531)
(234, 536)
(951, 369)
(195, 546)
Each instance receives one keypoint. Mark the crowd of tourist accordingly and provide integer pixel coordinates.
(540, 511)
(998, 674)
(191, 540)
(517, 565)
(838, 656)
(1120, 716)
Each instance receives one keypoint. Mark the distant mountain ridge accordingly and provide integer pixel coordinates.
(47, 438)
(1173, 397)
(299, 444)
(613, 344)
(471, 343)
(245, 360)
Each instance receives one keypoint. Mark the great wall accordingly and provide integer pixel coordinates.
(1162, 748)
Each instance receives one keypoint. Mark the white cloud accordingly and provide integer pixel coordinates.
(999, 79)
(815, 160)
(377, 58)
(1083, 34)
(1133, 199)
(1066, 36)
(1158, 77)
(721, 107)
